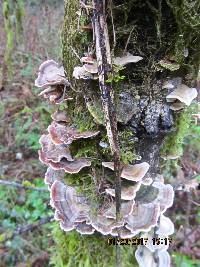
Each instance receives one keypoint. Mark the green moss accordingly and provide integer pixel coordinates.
(7, 14)
(96, 110)
(127, 151)
(174, 141)
(19, 14)
(73, 250)
(186, 14)
(74, 40)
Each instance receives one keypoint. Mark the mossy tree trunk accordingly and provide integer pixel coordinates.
(163, 32)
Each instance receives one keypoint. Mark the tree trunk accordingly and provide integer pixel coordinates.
(165, 34)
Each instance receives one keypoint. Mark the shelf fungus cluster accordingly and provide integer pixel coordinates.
(89, 69)
(182, 95)
(51, 78)
(144, 199)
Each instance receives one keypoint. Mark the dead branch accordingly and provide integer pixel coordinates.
(103, 56)
(18, 185)
(104, 62)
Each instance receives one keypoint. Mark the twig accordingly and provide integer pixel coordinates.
(18, 185)
(104, 68)
(103, 56)
(29, 227)
(127, 42)
(113, 27)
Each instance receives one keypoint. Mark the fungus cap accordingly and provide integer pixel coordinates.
(128, 58)
(166, 226)
(68, 166)
(91, 68)
(145, 258)
(50, 73)
(143, 217)
(127, 193)
(165, 196)
(131, 172)
(81, 73)
(54, 152)
(182, 93)
(66, 134)
(51, 176)
(60, 116)
(126, 209)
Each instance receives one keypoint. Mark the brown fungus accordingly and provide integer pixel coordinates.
(68, 166)
(143, 217)
(54, 152)
(69, 206)
(51, 176)
(50, 73)
(131, 172)
(60, 116)
(105, 225)
(84, 229)
(126, 209)
(127, 192)
(64, 134)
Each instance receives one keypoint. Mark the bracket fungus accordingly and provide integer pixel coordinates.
(67, 134)
(128, 58)
(165, 195)
(60, 116)
(80, 73)
(51, 176)
(143, 217)
(69, 207)
(146, 258)
(130, 172)
(126, 209)
(51, 78)
(127, 192)
(50, 73)
(182, 96)
(54, 152)
(166, 226)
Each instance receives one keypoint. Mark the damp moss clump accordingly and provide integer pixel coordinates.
(74, 38)
(73, 250)
(173, 144)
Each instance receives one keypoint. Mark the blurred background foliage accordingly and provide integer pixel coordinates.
(30, 33)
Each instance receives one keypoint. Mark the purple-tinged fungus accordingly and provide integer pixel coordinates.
(51, 176)
(68, 166)
(166, 226)
(126, 209)
(143, 217)
(146, 258)
(131, 172)
(69, 206)
(54, 152)
(60, 116)
(65, 134)
(165, 195)
(127, 192)
(50, 73)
